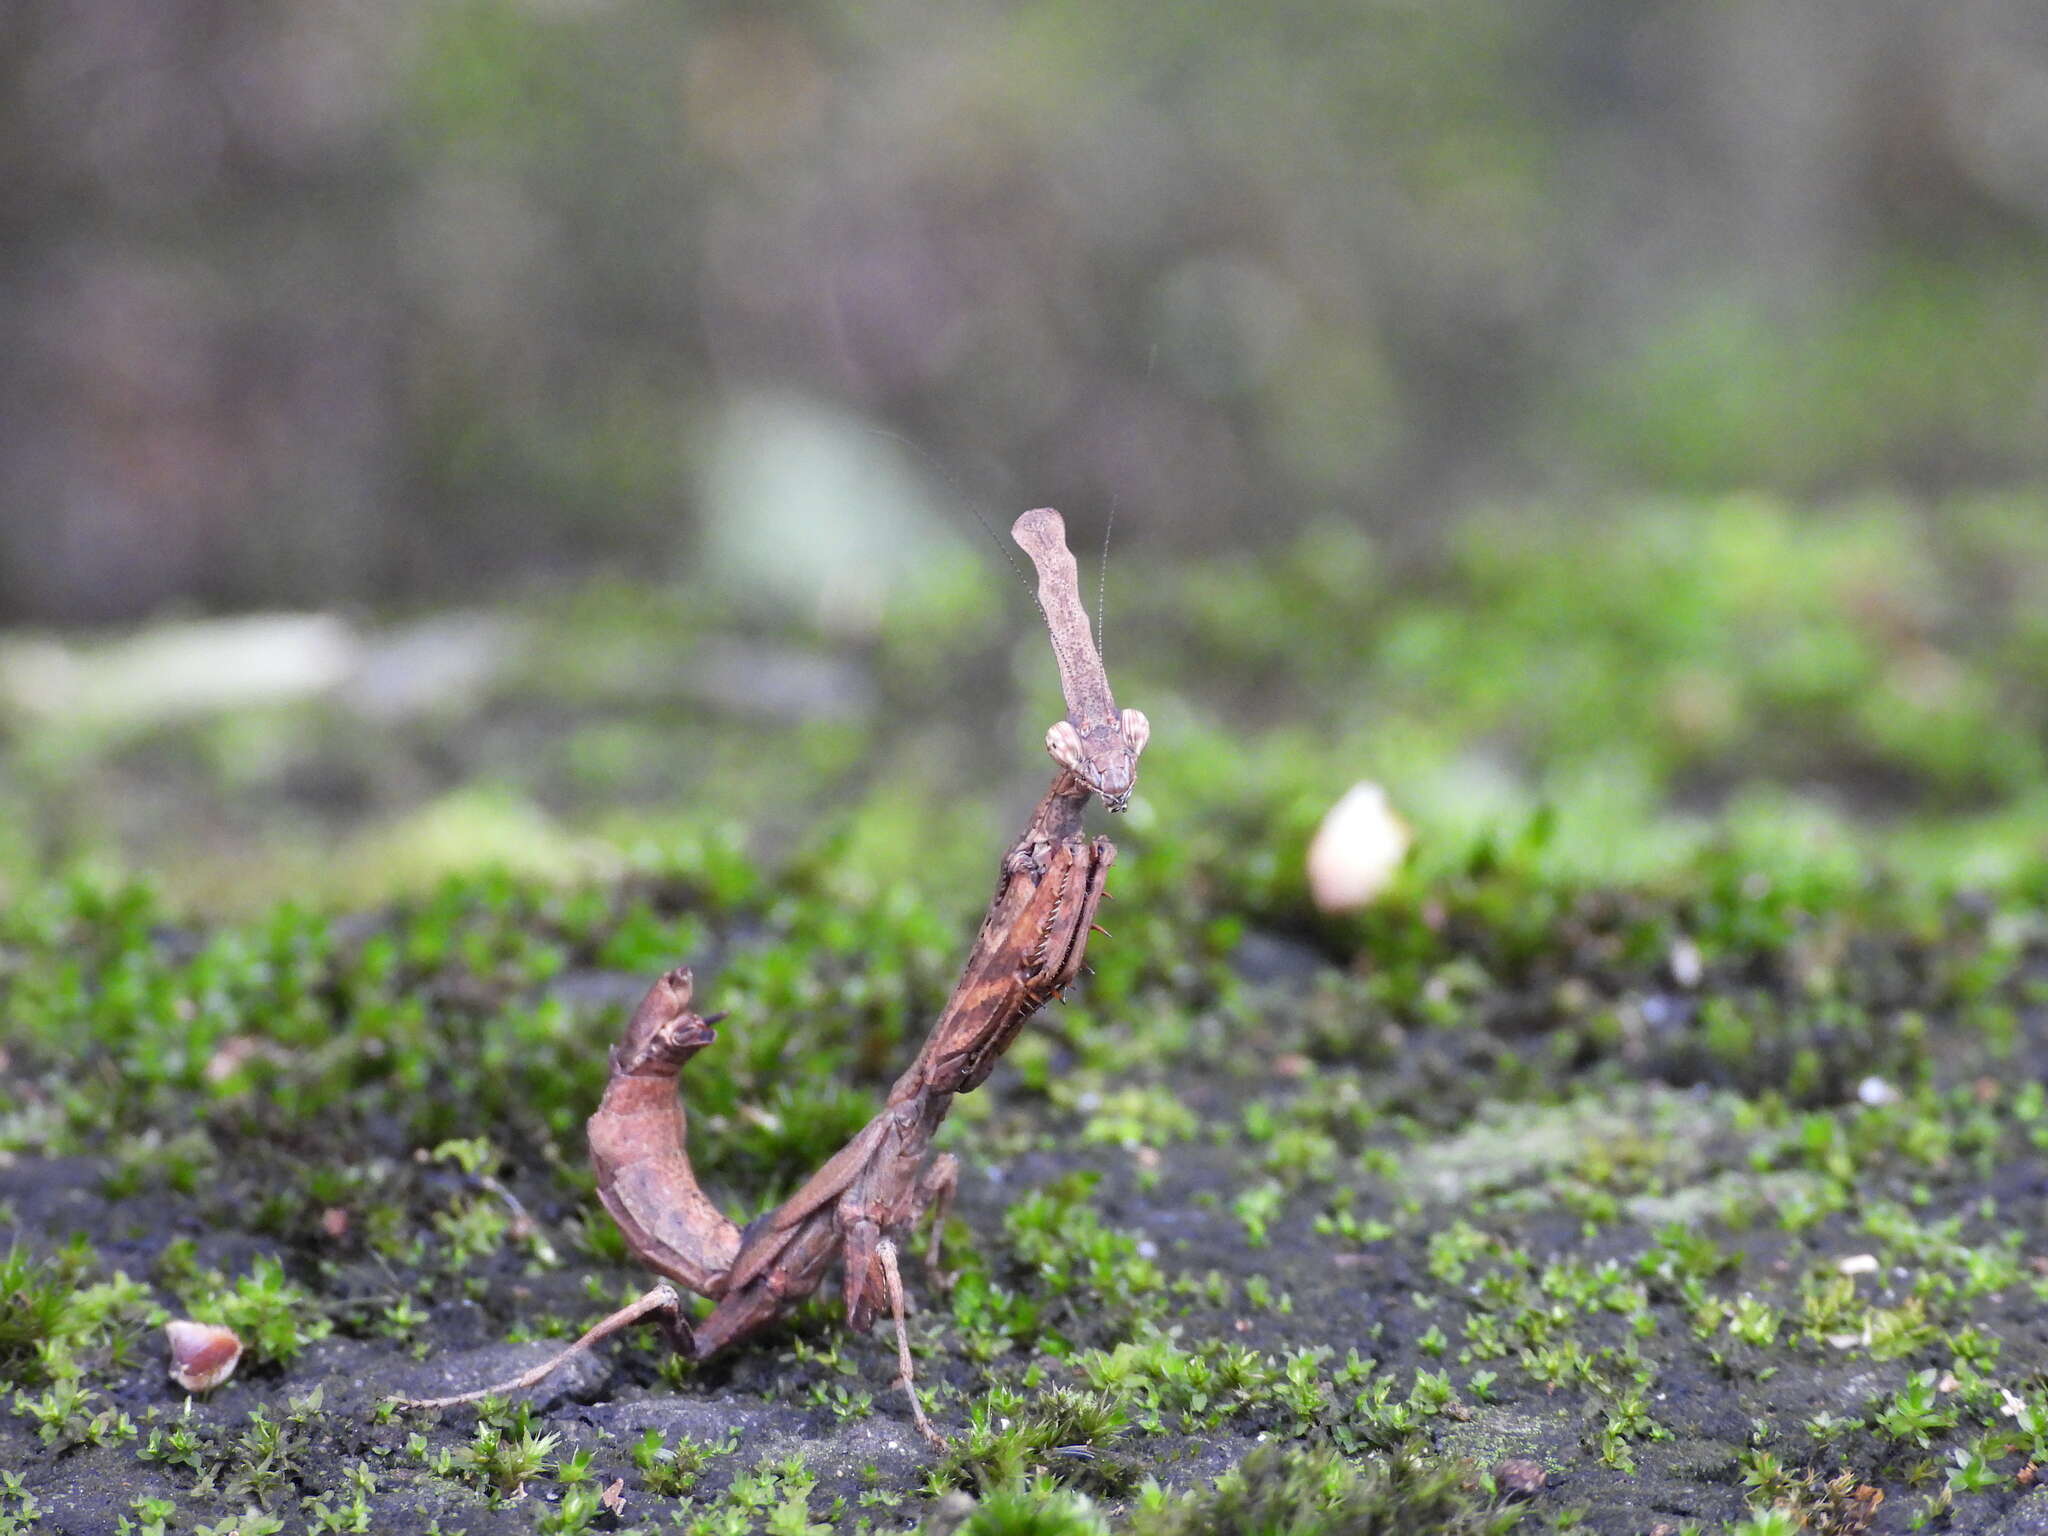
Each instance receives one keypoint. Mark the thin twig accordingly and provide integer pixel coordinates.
(662, 1298)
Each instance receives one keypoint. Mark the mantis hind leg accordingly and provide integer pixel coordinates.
(934, 1196)
(866, 1277)
(871, 1267)
(862, 1284)
(885, 1251)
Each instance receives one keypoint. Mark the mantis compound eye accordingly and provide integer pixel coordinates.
(1137, 730)
(1064, 743)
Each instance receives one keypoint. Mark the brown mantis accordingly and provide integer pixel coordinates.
(876, 1188)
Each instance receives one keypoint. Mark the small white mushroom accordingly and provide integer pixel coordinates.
(203, 1355)
(1357, 850)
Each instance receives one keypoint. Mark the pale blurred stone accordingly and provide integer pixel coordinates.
(179, 671)
(1357, 850)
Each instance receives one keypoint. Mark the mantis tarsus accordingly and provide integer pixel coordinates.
(876, 1188)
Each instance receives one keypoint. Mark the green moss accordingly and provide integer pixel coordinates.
(1059, 1433)
(1556, 1152)
(1296, 1492)
(37, 1293)
(1036, 1508)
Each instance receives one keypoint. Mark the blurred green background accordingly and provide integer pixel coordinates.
(1633, 406)
(308, 302)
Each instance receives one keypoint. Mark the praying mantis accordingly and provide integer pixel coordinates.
(853, 1211)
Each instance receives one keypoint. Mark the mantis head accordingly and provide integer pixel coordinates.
(1104, 755)
(664, 1033)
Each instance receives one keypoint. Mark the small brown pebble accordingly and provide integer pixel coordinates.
(203, 1355)
(1520, 1478)
(230, 1055)
(951, 1512)
(334, 1221)
(1572, 995)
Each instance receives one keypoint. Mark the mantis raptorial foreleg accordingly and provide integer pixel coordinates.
(644, 1176)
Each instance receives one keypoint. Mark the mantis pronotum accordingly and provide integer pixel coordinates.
(877, 1187)
(1095, 741)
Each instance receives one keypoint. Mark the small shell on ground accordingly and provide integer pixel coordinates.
(1357, 850)
(203, 1355)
